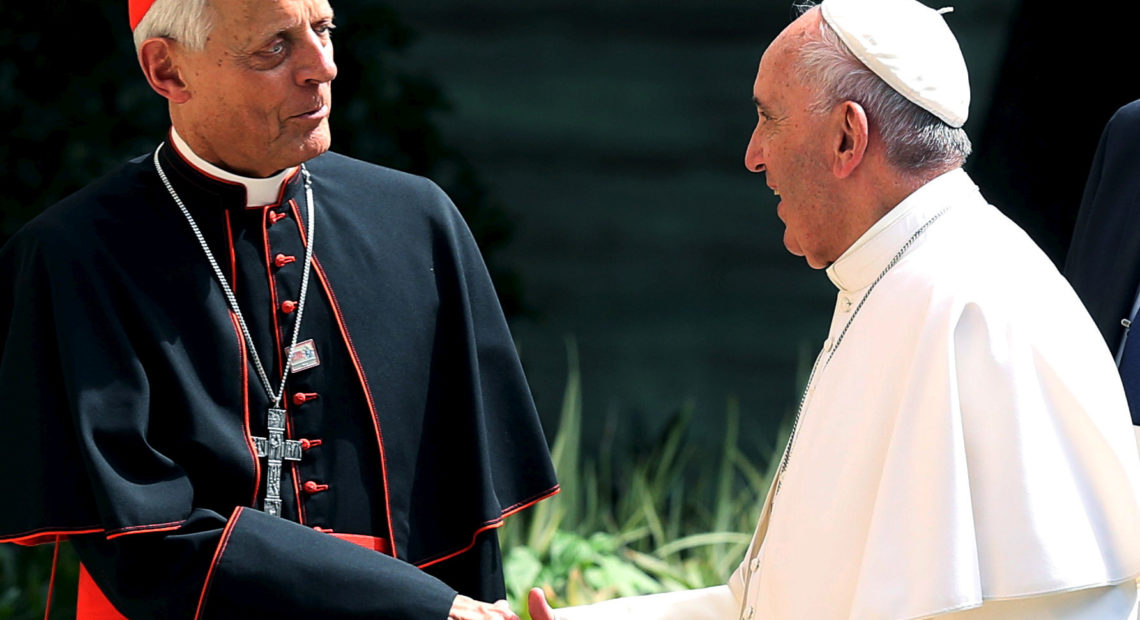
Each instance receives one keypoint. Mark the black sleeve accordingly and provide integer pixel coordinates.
(253, 565)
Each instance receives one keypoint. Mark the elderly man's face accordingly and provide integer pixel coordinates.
(260, 92)
(790, 146)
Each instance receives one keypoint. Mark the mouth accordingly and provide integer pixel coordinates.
(774, 191)
(317, 113)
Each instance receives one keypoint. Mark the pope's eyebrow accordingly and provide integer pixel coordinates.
(760, 106)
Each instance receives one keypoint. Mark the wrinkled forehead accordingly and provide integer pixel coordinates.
(793, 37)
(260, 18)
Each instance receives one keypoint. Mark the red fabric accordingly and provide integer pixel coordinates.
(92, 605)
(138, 8)
(368, 542)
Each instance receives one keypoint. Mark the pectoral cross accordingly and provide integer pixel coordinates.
(276, 449)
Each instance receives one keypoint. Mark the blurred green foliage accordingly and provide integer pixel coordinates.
(628, 523)
(25, 574)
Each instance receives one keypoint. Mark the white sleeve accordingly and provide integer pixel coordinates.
(716, 603)
(1117, 602)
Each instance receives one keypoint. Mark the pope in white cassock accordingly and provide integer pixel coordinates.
(963, 449)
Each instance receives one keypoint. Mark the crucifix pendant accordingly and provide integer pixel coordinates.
(275, 449)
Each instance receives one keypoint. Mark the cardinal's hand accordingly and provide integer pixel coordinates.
(464, 608)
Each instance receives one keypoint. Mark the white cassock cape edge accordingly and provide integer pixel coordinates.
(968, 441)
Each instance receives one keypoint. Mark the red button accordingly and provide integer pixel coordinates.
(310, 443)
(274, 216)
(288, 306)
(282, 259)
(301, 398)
(312, 487)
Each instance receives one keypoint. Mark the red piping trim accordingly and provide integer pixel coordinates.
(233, 256)
(278, 354)
(247, 430)
(367, 396)
(222, 543)
(174, 148)
(36, 537)
(139, 529)
(302, 513)
(359, 373)
(494, 523)
(272, 293)
(280, 191)
(51, 582)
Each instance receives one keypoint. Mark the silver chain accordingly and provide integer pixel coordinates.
(835, 347)
(274, 397)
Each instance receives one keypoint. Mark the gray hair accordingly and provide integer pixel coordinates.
(187, 21)
(916, 140)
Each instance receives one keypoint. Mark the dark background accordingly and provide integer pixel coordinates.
(596, 149)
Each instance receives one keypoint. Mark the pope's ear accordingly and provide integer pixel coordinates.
(158, 61)
(851, 139)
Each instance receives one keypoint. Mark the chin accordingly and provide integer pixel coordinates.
(310, 147)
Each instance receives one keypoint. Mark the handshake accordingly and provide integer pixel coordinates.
(465, 608)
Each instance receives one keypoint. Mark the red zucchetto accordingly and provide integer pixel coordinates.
(138, 8)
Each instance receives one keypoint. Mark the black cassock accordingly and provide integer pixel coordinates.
(131, 403)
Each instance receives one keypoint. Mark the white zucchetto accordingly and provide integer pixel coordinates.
(910, 47)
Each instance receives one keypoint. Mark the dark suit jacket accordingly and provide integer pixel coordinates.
(1103, 263)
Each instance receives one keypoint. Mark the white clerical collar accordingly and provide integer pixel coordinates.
(258, 192)
(861, 263)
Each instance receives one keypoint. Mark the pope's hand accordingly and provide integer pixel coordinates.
(539, 608)
(464, 608)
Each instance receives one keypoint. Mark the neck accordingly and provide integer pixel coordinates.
(878, 195)
(258, 192)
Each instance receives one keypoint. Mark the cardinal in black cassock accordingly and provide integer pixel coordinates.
(137, 418)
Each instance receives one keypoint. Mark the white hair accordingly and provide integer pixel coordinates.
(916, 140)
(187, 21)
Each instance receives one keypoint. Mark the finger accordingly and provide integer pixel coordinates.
(539, 608)
(504, 608)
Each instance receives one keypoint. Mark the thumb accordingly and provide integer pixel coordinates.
(539, 608)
